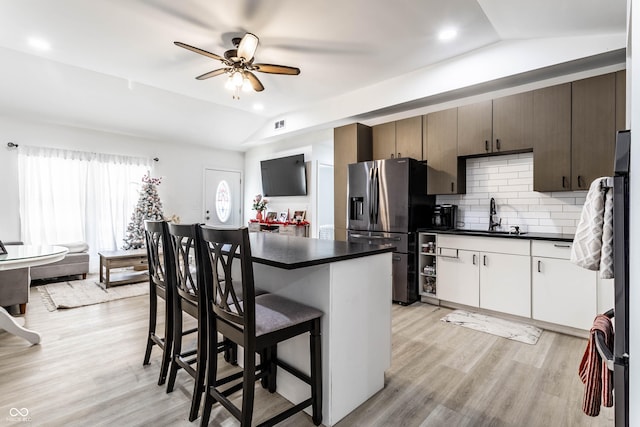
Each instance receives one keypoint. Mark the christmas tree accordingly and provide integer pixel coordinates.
(149, 206)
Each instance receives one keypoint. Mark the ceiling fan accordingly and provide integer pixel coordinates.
(239, 65)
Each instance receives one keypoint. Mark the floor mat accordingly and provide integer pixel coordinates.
(493, 325)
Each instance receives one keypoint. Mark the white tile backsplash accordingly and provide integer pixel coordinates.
(509, 179)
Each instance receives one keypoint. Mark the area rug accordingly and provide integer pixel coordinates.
(492, 325)
(78, 293)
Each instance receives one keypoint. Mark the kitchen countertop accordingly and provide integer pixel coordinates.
(484, 233)
(298, 252)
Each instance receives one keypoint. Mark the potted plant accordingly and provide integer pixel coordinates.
(259, 205)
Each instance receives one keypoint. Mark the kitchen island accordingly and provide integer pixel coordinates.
(351, 284)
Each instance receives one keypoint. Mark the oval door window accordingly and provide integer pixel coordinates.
(223, 201)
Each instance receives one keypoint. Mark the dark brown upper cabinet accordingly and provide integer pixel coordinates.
(446, 173)
(402, 138)
(593, 127)
(552, 138)
(501, 125)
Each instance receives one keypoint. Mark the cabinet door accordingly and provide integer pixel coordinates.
(351, 144)
(384, 141)
(552, 138)
(592, 129)
(474, 129)
(443, 174)
(409, 138)
(513, 122)
(505, 283)
(563, 293)
(458, 276)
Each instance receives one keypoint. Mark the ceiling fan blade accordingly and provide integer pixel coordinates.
(276, 69)
(212, 73)
(247, 47)
(200, 51)
(255, 83)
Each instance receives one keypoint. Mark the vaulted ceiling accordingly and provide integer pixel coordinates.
(111, 65)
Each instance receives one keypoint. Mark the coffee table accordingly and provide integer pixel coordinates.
(135, 258)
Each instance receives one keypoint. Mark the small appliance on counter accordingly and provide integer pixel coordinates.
(444, 217)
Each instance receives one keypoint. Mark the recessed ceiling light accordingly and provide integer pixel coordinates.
(448, 34)
(258, 107)
(38, 43)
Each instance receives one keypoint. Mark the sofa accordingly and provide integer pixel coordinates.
(75, 262)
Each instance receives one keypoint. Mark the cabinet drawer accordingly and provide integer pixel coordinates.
(547, 249)
(506, 245)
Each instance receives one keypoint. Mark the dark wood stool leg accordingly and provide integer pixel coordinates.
(212, 374)
(201, 364)
(168, 343)
(23, 308)
(177, 344)
(153, 310)
(248, 386)
(316, 372)
(273, 367)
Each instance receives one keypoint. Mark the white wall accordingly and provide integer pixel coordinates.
(509, 179)
(317, 146)
(180, 165)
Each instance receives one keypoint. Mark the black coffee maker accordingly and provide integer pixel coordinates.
(444, 217)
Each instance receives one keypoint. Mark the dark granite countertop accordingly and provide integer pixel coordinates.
(298, 252)
(484, 233)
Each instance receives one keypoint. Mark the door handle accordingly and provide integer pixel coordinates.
(497, 144)
(486, 145)
(564, 181)
(452, 187)
(561, 246)
(539, 264)
(474, 259)
(484, 260)
(580, 181)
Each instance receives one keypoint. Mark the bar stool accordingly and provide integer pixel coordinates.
(161, 270)
(186, 298)
(257, 323)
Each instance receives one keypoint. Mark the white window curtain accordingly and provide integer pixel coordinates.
(69, 196)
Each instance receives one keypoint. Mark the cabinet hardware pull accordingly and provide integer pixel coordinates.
(561, 246)
(399, 155)
(486, 145)
(497, 143)
(449, 256)
(452, 187)
(539, 262)
(564, 181)
(392, 155)
(474, 259)
(580, 181)
(484, 260)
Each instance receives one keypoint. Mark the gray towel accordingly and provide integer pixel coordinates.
(593, 243)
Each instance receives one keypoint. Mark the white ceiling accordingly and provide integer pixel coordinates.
(113, 66)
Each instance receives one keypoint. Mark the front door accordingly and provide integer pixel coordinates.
(222, 198)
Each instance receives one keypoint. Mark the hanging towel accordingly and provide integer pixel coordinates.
(594, 374)
(593, 243)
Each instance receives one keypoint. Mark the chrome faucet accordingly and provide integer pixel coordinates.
(492, 212)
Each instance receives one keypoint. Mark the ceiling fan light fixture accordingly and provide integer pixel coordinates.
(246, 85)
(247, 46)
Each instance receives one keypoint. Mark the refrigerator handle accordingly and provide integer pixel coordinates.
(376, 189)
(371, 195)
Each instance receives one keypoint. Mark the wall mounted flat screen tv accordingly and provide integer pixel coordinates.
(284, 176)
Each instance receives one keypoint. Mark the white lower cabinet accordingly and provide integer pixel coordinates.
(505, 283)
(485, 272)
(458, 277)
(563, 293)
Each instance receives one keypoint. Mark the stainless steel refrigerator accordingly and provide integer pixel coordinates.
(387, 203)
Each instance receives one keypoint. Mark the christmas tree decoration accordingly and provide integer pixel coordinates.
(149, 206)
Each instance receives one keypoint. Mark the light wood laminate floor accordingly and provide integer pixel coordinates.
(88, 371)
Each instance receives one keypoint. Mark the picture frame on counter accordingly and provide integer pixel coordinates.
(271, 216)
(283, 217)
(299, 215)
